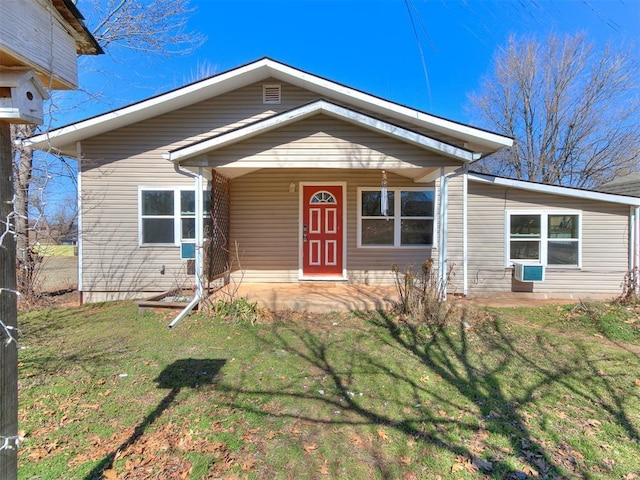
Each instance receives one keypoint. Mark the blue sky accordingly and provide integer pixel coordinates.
(431, 63)
(429, 60)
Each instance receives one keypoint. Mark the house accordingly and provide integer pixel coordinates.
(43, 38)
(293, 168)
(626, 185)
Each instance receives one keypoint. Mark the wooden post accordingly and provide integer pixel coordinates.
(8, 317)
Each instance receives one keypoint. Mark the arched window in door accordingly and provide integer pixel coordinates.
(322, 197)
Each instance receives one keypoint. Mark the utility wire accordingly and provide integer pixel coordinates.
(409, 5)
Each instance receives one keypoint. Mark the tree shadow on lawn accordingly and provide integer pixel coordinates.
(185, 373)
(485, 381)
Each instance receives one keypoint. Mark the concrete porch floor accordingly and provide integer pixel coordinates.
(325, 297)
(316, 297)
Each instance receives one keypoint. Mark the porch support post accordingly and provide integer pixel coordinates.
(442, 250)
(465, 245)
(634, 247)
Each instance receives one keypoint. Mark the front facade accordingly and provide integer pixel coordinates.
(279, 176)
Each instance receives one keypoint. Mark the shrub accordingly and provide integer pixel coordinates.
(421, 296)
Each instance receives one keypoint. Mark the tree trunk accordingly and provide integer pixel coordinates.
(25, 261)
(8, 317)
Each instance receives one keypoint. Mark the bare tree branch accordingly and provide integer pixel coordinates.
(150, 26)
(574, 112)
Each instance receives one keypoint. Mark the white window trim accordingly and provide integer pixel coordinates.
(544, 239)
(177, 215)
(396, 218)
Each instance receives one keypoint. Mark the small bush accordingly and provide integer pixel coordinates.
(238, 310)
(629, 294)
(421, 297)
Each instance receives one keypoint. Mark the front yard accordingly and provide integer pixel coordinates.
(547, 392)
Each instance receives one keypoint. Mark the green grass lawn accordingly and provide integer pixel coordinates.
(549, 392)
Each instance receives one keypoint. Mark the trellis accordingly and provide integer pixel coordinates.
(216, 244)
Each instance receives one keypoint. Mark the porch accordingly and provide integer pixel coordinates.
(316, 297)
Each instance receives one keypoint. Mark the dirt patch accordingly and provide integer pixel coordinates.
(517, 302)
(57, 274)
(62, 298)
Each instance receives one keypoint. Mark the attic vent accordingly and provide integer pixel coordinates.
(271, 93)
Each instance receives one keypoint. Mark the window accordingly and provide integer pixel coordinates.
(157, 224)
(168, 216)
(550, 238)
(409, 220)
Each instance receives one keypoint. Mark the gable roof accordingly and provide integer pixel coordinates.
(554, 189)
(64, 138)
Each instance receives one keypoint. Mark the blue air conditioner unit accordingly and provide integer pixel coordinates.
(187, 251)
(527, 272)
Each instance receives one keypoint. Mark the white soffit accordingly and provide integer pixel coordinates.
(65, 137)
(555, 190)
(328, 108)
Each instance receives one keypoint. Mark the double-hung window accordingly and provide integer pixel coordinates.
(168, 215)
(408, 222)
(551, 238)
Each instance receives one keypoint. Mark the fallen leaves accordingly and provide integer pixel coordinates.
(309, 447)
(471, 465)
(382, 435)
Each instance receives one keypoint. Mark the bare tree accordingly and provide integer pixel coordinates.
(149, 27)
(156, 27)
(573, 111)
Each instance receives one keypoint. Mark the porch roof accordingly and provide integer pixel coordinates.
(198, 149)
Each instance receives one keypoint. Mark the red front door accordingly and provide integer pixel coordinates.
(322, 234)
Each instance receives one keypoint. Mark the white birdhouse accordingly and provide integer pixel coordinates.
(21, 96)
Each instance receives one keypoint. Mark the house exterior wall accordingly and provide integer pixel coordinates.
(265, 213)
(263, 220)
(454, 253)
(265, 226)
(605, 232)
(324, 142)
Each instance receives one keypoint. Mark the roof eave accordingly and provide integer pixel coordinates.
(478, 140)
(555, 189)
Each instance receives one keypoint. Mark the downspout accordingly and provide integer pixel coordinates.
(199, 243)
(634, 233)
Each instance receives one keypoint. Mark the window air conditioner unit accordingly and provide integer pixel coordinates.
(187, 251)
(527, 272)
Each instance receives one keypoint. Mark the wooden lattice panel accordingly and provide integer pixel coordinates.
(216, 246)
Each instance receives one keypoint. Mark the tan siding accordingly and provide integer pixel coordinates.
(324, 141)
(265, 225)
(604, 242)
(454, 233)
(111, 257)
